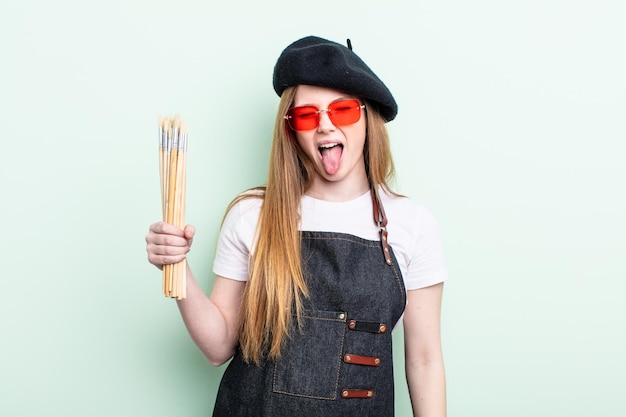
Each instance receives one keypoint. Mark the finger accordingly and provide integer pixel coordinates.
(164, 254)
(160, 260)
(167, 245)
(165, 228)
(189, 231)
(166, 234)
(166, 240)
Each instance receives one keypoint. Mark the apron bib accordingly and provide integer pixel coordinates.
(339, 362)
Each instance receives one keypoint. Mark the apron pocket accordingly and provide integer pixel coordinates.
(311, 358)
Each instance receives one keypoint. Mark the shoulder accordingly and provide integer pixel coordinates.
(416, 239)
(245, 205)
(242, 215)
(236, 239)
(411, 225)
(405, 211)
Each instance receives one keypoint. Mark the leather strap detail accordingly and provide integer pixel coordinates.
(357, 393)
(379, 212)
(380, 218)
(367, 326)
(361, 360)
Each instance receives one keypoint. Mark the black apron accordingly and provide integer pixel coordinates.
(339, 362)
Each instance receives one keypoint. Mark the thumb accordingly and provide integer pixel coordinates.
(189, 233)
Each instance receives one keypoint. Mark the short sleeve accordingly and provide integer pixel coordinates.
(426, 264)
(235, 242)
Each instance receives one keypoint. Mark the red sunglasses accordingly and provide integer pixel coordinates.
(340, 113)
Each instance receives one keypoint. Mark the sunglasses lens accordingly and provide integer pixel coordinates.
(341, 113)
(303, 118)
(345, 112)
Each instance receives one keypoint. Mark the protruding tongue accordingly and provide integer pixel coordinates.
(331, 158)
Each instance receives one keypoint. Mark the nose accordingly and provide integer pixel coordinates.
(325, 125)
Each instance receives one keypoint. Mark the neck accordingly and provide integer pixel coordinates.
(337, 191)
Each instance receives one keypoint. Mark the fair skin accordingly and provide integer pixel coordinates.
(424, 367)
(213, 321)
(350, 180)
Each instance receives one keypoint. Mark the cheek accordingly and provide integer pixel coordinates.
(356, 133)
(298, 137)
(303, 140)
(360, 128)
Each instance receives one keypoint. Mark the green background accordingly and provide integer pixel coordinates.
(511, 130)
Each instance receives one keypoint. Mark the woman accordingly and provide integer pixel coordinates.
(314, 270)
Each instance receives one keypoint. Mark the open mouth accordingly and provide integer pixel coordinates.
(326, 146)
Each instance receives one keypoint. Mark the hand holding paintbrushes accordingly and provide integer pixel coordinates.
(172, 167)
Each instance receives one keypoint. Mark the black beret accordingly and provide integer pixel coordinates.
(320, 62)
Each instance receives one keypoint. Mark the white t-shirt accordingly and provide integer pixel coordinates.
(413, 234)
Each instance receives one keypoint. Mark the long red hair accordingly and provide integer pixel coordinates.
(276, 284)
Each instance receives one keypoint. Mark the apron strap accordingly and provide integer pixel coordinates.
(381, 222)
